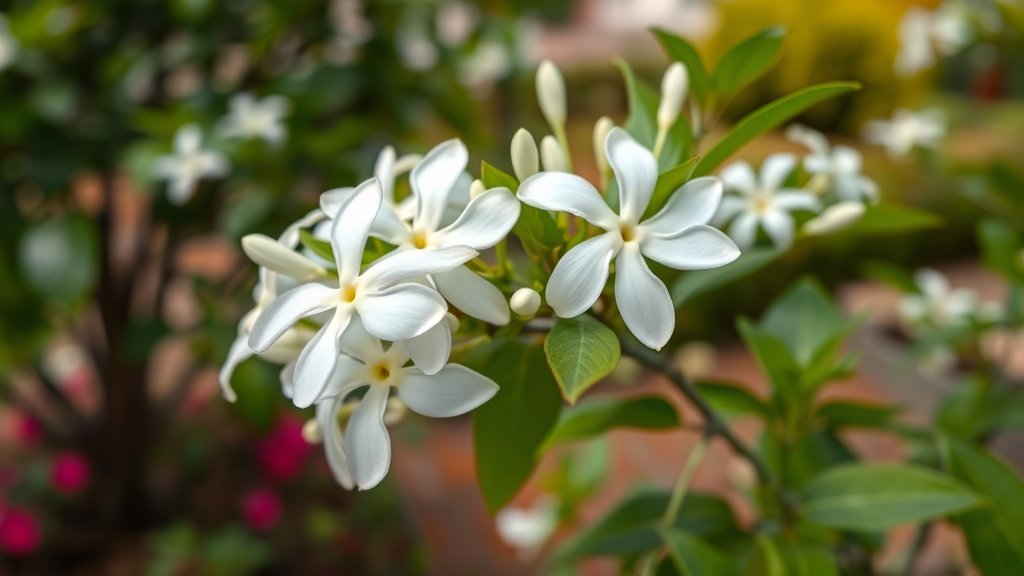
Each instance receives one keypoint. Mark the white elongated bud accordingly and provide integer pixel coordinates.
(273, 255)
(834, 218)
(602, 127)
(311, 432)
(525, 159)
(551, 94)
(525, 302)
(476, 188)
(552, 155)
(674, 85)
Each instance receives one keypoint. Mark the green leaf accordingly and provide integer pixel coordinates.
(668, 182)
(731, 398)
(1001, 247)
(509, 428)
(643, 107)
(321, 248)
(581, 351)
(767, 118)
(697, 282)
(744, 62)
(773, 359)
(632, 525)
(993, 532)
(892, 275)
(843, 414)
(494, 177)
(692, 556)
(599, 415)
(805, 319)
(885, 219)
(680, 50)
(535, 228)
(781, 557)
(877, 497)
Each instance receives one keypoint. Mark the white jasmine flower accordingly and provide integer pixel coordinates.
(760, 201)
(385, 296)
(926, 36)
(525, 302)
(249, 118)
(9, 44)
(189, 164)
(838, 168)
(456, 21)
(834, 218)
(937, 305)
(527, 529)
(287, 348)
(387, 168)
(677, 236)
(907, 130)
(362, 455)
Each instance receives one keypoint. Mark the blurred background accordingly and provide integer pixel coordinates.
(118, 304)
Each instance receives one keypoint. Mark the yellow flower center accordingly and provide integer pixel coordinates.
(419, 240)
(628, 232)
(348, 294)
(380, 372)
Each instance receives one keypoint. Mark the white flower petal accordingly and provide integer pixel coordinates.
(739, 177)
(367, 445)
(188, 139)
(332, 200)
(779, 226)
(932, 283)
(238, 353)
(351, 228)
(581, 274)
(402, 265)
(695, 248)
(693, 203)
(790, 200)
(744, 230)
(287, 378)
(358, 343)
(453, 391)
(349, 375)
(285, 310)
(776, 169)
(636, 172)
(568, 193)
(334, 445)
(644, 302)
(730, 206)
(486, 221)
(400, 312)
(473, 295)
(433, 179)
(316, 363)
(430, 351)
(384, 170)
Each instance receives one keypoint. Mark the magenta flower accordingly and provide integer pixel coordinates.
(283, 452)
(69, 473)
(20, 534)
(261, 508)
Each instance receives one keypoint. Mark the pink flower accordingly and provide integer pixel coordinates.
(261, 508)
(19, 532)
(27, 429)
(69, 473)
(282, 453)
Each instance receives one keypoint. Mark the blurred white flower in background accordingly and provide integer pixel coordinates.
(937, 305)
(926, 36)
(249, 118)
(9, 44)
(677, 236)
(761, 201)
(907, 130)
(527, 529)
(691, 18)
(489, 61)
(415, 46)
(351, 30)
(833, 168)
(834, 218)
(456, 21)
(188, 164)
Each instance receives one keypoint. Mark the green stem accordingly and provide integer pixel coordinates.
(563, 141)
(683, 482)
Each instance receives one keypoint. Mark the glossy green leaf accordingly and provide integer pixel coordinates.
(535, 228)
(508, 429)
(847, 414)
(1001, 247)
(643, 106)
(781, 557)
(322, 248)
(767, 118)
(773, 359)
(494, 177)
(581, 351)
(805, 319)
(599, 415)
(693, 556)
(993, 532)
(744, 62)
(680, 50)
(731, 398)
(885, 219)
(697, 282)
(877, 497)
(668, 182)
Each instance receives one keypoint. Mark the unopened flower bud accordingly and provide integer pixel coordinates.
(453, 322)
(602, 127)
(674, 85)
(273, 255)
(311, 432)
(552, 155)
(524, 154)
(551, 94)
(406, 163)
(525, 302)
(395, 411)
(476, 188)
(834, 218)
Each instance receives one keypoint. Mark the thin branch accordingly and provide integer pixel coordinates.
(917, 547)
